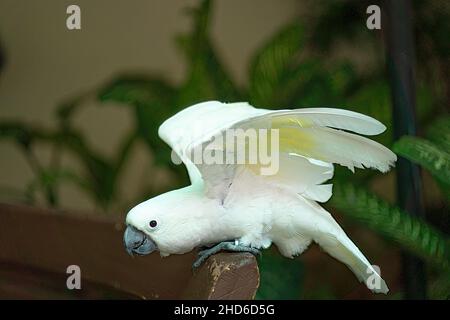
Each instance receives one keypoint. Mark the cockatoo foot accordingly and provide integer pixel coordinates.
(233, 246)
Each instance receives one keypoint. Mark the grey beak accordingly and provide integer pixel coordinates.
(138, 242)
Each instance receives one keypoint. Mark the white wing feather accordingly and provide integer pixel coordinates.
(335, 118)
(304, 132)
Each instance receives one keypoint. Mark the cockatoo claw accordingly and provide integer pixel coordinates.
(233, 246)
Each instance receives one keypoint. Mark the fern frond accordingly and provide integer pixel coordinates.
(429, 155)
(271, 63)
(439, 132)
(393, 223)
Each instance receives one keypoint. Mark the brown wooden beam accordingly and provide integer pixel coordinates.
(42, 243)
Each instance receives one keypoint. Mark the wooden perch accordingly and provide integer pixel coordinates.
(225, 276)
(37, 246)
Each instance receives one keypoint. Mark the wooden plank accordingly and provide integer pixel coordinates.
(51, 241)
(23, 282)
(42, 243)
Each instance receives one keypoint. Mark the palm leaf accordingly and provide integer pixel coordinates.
(427, 154)
(391, 222)
(99, 171)
(152, 100)
(439, 132)
(272, 62)
(207, 77)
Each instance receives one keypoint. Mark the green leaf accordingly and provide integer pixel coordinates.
(100, 173)
(324, 86)
(21, 134)
(153, 101)
(139, 90)
(207, 77)
(99, 170)
(391, 222)
(343, 79)
(271, 62)
(439, 289)
(50, 179)
(427, 154)
(293, 87)
(348, 15)
(439, 132)
(426, 103)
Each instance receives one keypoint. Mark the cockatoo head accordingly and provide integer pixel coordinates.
(162, 223)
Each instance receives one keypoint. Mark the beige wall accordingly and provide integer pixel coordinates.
(46, 63)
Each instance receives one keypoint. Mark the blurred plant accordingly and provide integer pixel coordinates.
(292, 69)
(277, 285)
(432, 156)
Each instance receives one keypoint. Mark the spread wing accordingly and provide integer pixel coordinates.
(189, 128)
(310, 141)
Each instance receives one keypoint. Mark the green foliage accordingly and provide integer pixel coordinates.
(151, 101)
(207, 78)
(391, 222)
(439, 133)
(349, 15)
(273, 66)
(279, 285)
(427, 154)
(439, 289)
(431, 154)
(100, 173)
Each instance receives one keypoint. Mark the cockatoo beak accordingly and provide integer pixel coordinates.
(138, 242)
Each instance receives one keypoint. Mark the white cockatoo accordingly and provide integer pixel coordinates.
(237, 206)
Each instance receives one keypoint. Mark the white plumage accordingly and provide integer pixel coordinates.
(236, 202)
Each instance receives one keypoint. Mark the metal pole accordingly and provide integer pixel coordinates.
(400, 61)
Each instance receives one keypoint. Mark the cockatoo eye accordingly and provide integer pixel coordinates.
(153, 224)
